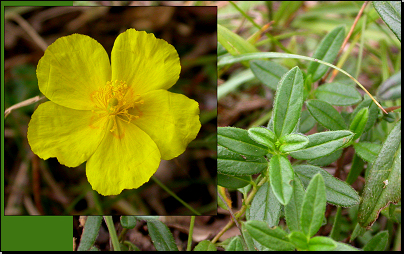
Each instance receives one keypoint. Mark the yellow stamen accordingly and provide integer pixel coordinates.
(114, 100)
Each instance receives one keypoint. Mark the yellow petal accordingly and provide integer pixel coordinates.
(69, 135)
(170, 119)
(71, 69)
(144, 62)
(125, 159)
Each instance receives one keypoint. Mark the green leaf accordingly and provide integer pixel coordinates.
(383, 181)
(268, 72)
(281, 178)
(263, 136)
(161, 236)
(307, 122)
(326, 51)
(390, 12)
(313, 207)
(345, 247)
(326, 160)
(90, 232)
(322, 144)
(248, 239)
(294, 207)
(358, 123)
(292, 142)
(231, 163)
(232, 42)
(288, 102)
(326, 115)
(391, 88)
(299, 240)
(338, 94)
(205, 245)
(373, 113)
(367, 151)
(337, 192)
(378, 242)
(273, 238)
(235, 244)
(265, 206)
(128, 221)
(237, 140)
(232, 182)
(322, 243)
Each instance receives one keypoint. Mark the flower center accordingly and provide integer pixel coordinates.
(114, 100)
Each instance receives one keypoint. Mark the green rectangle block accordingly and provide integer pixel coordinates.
(36, 233)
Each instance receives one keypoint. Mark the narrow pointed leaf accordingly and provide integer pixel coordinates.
(338, 94)
(90, 232)
(367, 151)
(281, 178)
(337, 192)
(383, 182)
(358, 123)
(231, 163)
(268, 72)
(327, 51)
(326, 115)
(265, 206)
(237, 140)
(273, 238)
(232, 42)
(373, 113)
(390, 12)
(294, 207)
(322, 144)
(288, 102)
(313, 207)
(161, 236)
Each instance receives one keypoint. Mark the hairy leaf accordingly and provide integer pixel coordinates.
(326, 115)
(326, 51)
(338, 94)
(273, 238)
(281, 177)
(268, 72)
(237, 140)
(288, 102)
(313, 207)
(231, 163)
(383, 182)
(338, 192)
(322, 144)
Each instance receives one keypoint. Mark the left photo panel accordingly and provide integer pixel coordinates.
(110, 110)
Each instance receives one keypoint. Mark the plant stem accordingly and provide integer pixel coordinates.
(22, 104)
(191, 230)
(174, 195)
(241, 211)
(112, 232)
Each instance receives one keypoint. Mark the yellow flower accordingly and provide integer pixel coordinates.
(118, 117)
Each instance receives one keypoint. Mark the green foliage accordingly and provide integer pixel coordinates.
(306, 166)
